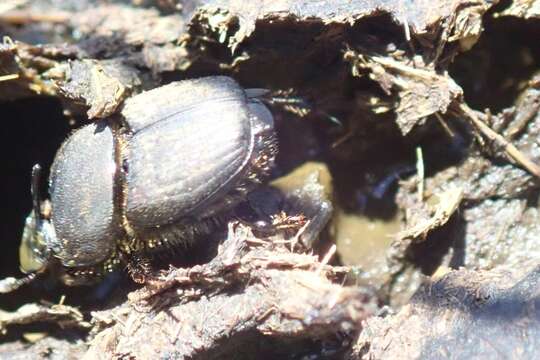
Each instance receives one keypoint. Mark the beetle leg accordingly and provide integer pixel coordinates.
(10, 284)
(139, 268)
(34, 189)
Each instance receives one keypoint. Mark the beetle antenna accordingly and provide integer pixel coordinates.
(289, 102)
(10, 284)
(34, 189)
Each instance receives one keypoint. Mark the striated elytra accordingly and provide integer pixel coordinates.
(156, 176)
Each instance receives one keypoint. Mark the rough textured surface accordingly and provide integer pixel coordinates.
(464, 315)
(167, 179)
(50, 348)
(84, 218)
(203, 308)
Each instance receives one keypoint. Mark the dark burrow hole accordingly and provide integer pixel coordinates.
(34, 128)
(266, 347)
(509, 53)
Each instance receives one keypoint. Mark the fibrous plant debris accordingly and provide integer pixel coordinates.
(358, 88)
(203, 308)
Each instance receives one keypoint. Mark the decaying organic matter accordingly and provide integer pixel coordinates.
(267, 272)
(493, 310)
(401, 218)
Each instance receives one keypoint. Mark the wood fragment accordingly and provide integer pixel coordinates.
(329, 254)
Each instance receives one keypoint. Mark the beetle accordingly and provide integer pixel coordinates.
(154, 177)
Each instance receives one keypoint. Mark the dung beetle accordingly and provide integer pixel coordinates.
(154, 177)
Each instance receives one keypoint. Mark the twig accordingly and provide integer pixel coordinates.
(420, 170)
(326, 258)
(342, 139)
(21, 17)
(444, 125)
(513, 152)
(8, 77)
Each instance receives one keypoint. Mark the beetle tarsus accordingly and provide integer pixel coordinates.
(140, 269)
